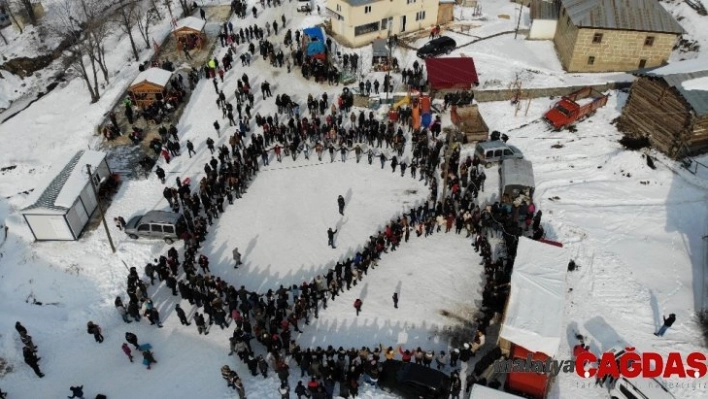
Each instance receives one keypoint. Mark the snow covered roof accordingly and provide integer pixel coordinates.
(58, 193)
(636, 15)
(482, 392)
(534, 312)
(193, 23)
(157, 76)
(696, 84)
(681, 73)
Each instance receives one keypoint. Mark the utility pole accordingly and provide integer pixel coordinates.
(100, 208)
(448, 155)
(518, 22)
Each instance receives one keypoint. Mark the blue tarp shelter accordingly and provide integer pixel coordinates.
(315, 31)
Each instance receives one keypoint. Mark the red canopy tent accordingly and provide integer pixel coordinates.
(451, 73)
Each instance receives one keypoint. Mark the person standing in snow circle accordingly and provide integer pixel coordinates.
(330, 237)
(357, 305)
(340, 202)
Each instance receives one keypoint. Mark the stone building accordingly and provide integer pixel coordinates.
(614, 35)
(358, 22)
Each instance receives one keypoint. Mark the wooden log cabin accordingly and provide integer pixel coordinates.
(669, 105)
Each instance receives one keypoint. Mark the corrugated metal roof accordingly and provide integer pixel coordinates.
(544, 9)
(47, 198)
(637, 15)
(676, 73)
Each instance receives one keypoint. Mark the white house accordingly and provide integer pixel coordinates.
(544, 19)
(60, 207)
(358, 22)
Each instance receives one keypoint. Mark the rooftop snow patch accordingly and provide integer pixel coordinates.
(534, 312)
(193, 23)
(700, 84)
(59, 191)
(157, 76)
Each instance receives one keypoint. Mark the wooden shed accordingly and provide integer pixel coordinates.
(669, 105)
(468, 120)
(190, 30)
(149, 86)
(60, 208)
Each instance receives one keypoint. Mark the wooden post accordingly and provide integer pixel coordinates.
(100, 208)
(528, 105)
(518, 22)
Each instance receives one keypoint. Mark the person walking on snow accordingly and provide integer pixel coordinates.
(395, 300)
(127, 351)
(330, 237)
(340, 202)
(95, 330)
(182, 316)
(132, 339)
(237, 257)
(77, 392)
(668, 322)
(148, 358)
(357, 306)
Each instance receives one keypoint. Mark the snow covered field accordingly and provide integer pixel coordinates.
(635, 233)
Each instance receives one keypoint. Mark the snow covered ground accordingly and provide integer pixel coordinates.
(635, 232)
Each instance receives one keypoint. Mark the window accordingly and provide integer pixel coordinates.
(410, 1)
(649, 41)
(508, 152)
(367, 9)
(591, 60)
(489, 154)
(597, 38)
(642, 64)
(168, 229)
(384, 24)
(96, 178)
(420, 15)
(497, 153)
(339, 7)
(144, 227)
(156, 228)
(364, 29)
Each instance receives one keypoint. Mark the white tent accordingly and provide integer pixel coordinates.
(534, 311)
(482, 392)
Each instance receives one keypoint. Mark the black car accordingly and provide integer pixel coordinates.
(413, 381)
(435, 47)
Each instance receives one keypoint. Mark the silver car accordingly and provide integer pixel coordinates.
(167, 226)
(490, 152)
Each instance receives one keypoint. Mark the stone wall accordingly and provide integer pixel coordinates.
(564, 40)
(545, 92)
(618, 50)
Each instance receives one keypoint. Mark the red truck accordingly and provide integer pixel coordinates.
(574, 107)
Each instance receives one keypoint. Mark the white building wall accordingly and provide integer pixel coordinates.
(49, 227)
(543, 29)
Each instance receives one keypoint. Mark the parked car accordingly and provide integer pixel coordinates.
(644, 388)
(413, 381)
(490, 152)
(437, 46)
(167, 226)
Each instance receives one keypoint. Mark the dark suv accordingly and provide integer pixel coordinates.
(435, 47)
(414, 381)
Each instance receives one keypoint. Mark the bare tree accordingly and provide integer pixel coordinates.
(143, 19)
(153, 5)
(97, 31)
(127, 18)
(186, 7)
(4, 39)
(6, 4)
(84, 28)
(29, 10)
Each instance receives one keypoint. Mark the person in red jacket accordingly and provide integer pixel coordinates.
(405, 355)
(313, 385)
(357, 306)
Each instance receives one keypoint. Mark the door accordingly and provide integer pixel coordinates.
(144, 230)
(403, 23)
(642, 64)
(156, 230)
